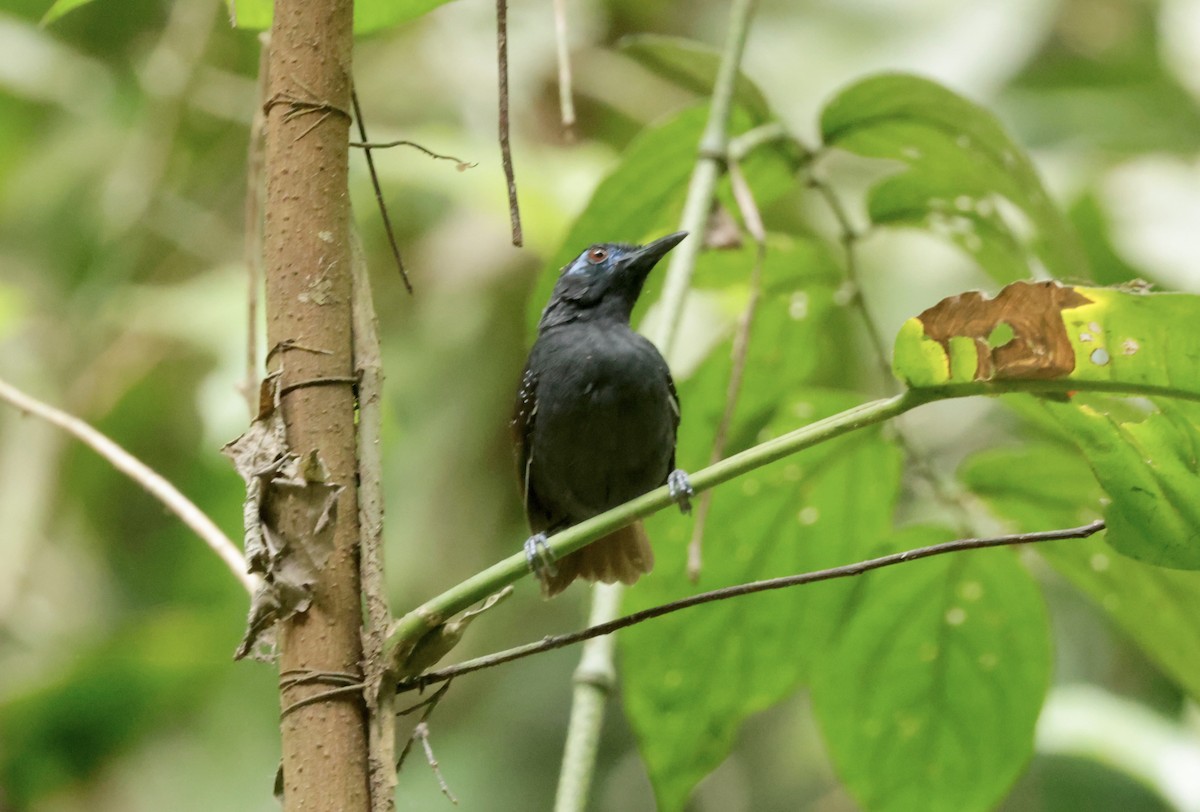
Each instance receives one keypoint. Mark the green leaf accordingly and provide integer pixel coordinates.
(1053, 331)
(1044, 486)
(929, 695)
(693, 65)
(1148, 464)
(369, 15)
(690, 679)
(60, 8)
(962, 176)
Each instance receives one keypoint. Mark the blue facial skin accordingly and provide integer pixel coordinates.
(604, 281)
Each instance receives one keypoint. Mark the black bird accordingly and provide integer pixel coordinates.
(596, 416)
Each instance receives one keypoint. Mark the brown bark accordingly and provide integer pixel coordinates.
(308, 287)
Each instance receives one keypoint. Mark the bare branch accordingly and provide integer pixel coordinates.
(383, 212)
(370, 145)
(143, 475)
(514, 212)
(844, 571)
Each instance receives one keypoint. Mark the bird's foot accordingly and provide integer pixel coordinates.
(539, 557)
(681, 490)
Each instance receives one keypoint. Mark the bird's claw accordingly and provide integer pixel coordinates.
(681, 490)
(539, 557)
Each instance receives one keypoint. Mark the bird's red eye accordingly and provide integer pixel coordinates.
(597, 255)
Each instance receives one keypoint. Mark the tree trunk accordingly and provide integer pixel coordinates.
(308, 291)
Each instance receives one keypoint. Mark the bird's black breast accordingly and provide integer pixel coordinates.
(600, 421)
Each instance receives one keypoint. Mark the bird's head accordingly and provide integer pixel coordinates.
(605, 281)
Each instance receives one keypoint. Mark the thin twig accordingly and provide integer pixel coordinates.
(566, 96)
(383, 212)
(370, 145)
(421, 730)
(849, 238)
(844, 571)
(514, 212)
(142, 474)
(741, 346)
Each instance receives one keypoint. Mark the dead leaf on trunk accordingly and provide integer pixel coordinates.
(289, 556)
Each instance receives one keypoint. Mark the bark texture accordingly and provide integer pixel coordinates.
(308, 287)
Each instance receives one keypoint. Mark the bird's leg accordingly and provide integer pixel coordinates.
(539, 557)
(681, 490)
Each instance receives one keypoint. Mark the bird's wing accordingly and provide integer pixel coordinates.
(521, 428)
(674, 413)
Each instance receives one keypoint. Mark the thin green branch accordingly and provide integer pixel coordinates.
(412, 626)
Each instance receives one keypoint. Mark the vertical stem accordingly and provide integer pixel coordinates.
(566, 96)
(308, 294)
(514, 212)
(380, 692)
(591, 694)
(712, 155)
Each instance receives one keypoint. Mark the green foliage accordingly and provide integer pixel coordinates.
(121, 189)
(693, 65)
(1147, 463)
(927, 680)
(1049, 484)
(962, 176)
(60, 8)
(369, 15)
(694, 677)
(930, 690)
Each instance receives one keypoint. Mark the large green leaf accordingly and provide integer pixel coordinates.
(1147, 462)
(369, 15)
(930, 691)
(963, 176)
(693, 65)
(1047, 331)
(691, 679)
(60, 8)
(1043, 486)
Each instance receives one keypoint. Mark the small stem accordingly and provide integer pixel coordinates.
(514, 212)
(383, 212)
(566, 98)
(142, 474)
(849, 239)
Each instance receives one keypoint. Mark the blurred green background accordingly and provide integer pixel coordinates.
(123, 144)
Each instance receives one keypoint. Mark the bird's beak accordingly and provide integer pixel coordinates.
(646, 257)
